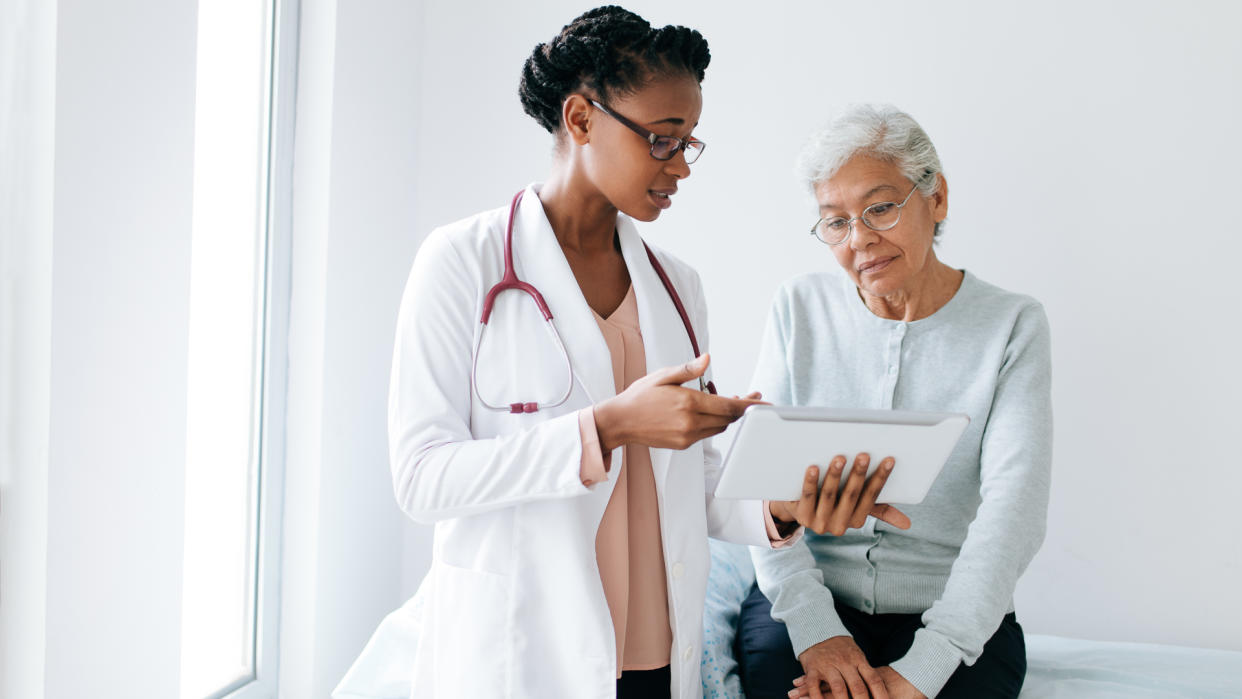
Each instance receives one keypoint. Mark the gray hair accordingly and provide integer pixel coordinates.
(880, 131)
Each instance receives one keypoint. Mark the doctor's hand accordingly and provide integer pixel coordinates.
(657, 411)
(831, 509)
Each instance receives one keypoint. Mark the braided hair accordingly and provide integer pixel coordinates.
(609, 51)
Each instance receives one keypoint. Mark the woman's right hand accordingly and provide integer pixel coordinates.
(829, 509)
(657, 411)
(837, 664)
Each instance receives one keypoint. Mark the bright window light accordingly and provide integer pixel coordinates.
(226, 358)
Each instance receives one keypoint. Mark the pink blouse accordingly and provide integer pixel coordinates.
(628, 548)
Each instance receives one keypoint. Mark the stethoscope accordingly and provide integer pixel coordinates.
(510, 281)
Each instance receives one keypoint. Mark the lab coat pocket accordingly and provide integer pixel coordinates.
(468, 659)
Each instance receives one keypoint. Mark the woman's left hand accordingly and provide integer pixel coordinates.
(897, 686)
(831, 509)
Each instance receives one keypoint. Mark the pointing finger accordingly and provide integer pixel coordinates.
(680, 374)
(719, 405)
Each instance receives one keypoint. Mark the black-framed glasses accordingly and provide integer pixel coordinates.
(879, 217)
(662, 147)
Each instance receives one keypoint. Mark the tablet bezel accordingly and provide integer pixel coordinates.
(942, 429)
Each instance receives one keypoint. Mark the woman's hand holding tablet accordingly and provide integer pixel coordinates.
(832, 509)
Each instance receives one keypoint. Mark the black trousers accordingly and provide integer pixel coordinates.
(767, 665)
(645, 684)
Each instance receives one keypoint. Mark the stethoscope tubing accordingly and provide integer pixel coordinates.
(509, 281)
(520, 407)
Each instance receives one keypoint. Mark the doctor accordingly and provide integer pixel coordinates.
(570, 489)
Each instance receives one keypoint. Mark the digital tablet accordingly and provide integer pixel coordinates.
(774, 445)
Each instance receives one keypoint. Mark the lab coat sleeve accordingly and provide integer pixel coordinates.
(738, 521)
(439, 469)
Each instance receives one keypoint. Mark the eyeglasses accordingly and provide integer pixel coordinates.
(662, 147)
(880, 216)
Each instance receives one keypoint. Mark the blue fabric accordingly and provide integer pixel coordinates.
(732, 576)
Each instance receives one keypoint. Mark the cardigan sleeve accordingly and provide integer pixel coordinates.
(1015, 477)
(789, 576)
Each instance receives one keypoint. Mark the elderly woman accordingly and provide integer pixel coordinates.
(926, 611)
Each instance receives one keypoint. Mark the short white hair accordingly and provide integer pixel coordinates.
(880, 131)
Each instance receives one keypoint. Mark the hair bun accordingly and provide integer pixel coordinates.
(607, 50)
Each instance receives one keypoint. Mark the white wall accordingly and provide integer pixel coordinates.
(120, 294)
(354, 157)
(27, 78)
(1091, 154)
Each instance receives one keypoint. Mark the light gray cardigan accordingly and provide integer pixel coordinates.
(986, 353)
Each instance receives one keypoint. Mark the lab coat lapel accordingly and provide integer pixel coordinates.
(665, 340)
(539, 261)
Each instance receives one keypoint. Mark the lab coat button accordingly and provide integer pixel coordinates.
(892, 369)
(687, 653)
(678, 571)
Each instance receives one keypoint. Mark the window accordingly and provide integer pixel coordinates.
(230, 533)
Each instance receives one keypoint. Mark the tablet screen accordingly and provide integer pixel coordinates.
(775, 445)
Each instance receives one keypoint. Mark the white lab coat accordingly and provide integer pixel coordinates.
(513, 605)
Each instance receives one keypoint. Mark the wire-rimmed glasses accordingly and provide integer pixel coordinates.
(879, 217)
(662, 147)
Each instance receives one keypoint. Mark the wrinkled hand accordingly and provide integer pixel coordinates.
(832, 509)
(657, 411)
(898, 686)
(839, 667)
